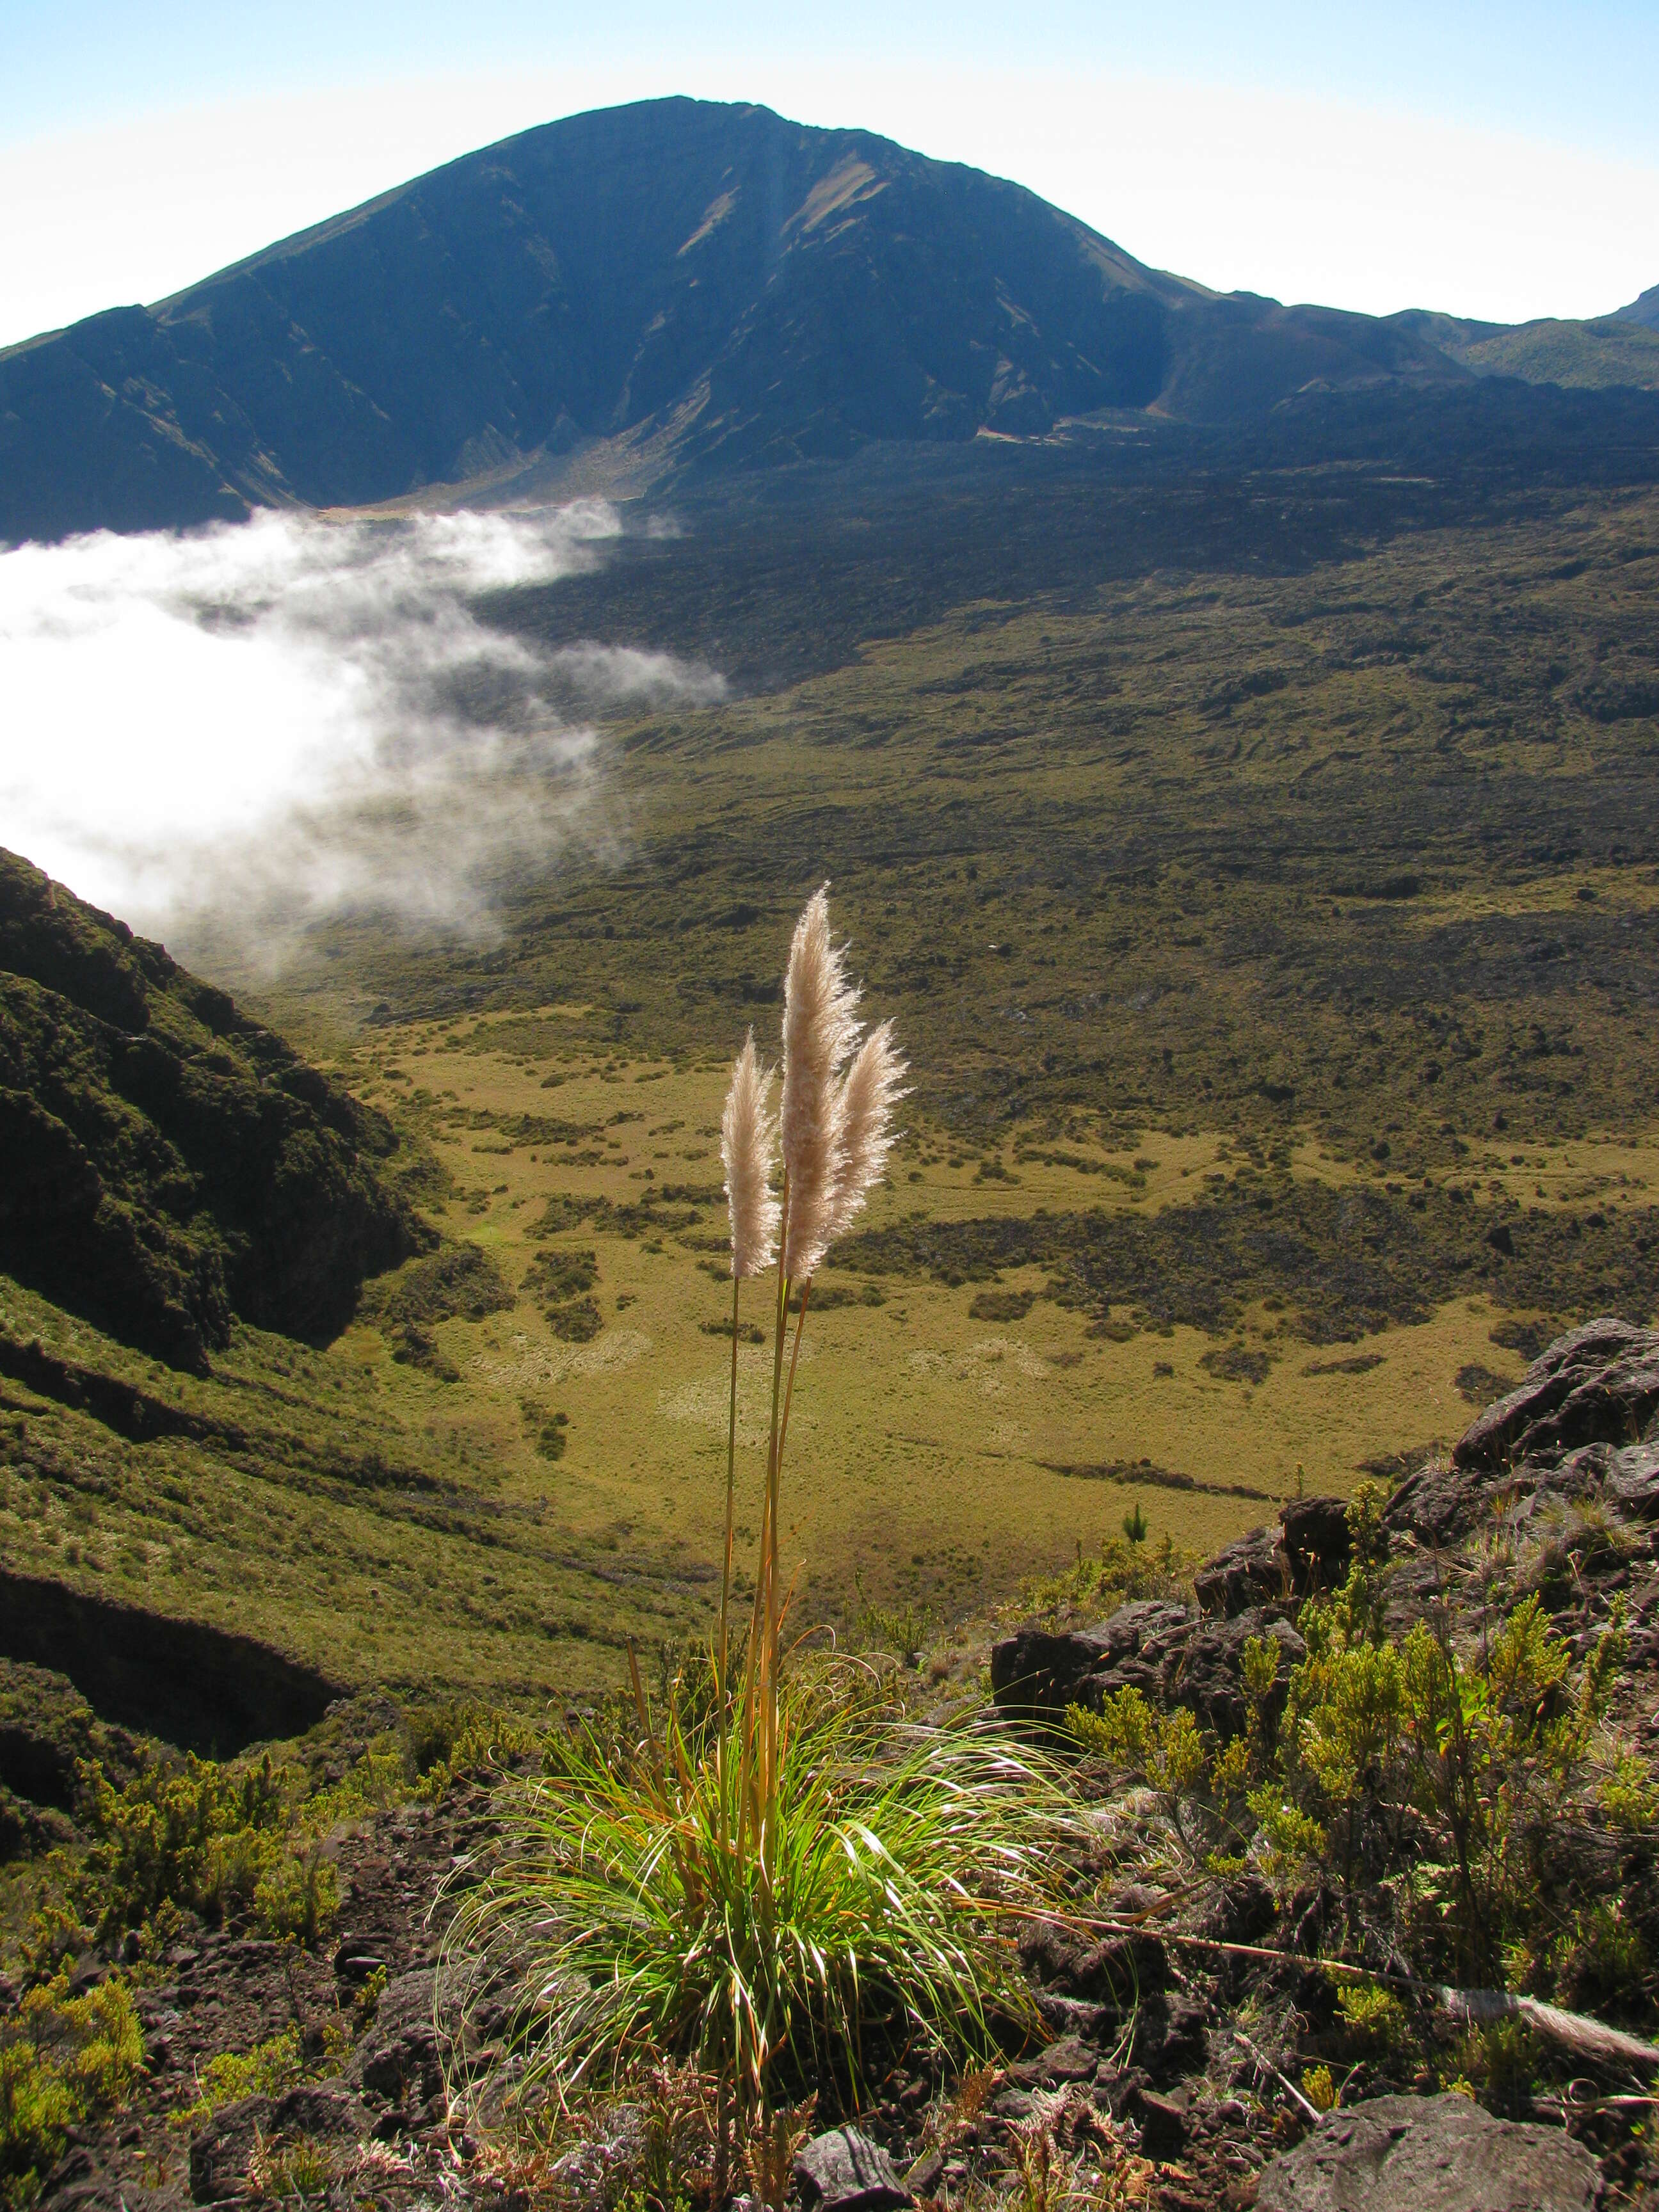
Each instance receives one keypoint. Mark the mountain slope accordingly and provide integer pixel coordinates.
(1613, 352)
(1645, 310)
(168, 1160)
(703, 286)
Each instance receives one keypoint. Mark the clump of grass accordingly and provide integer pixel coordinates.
(775, 1872)
(640, 1924)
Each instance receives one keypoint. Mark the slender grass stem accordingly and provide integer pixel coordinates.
(730, 1493)
(794, 1356)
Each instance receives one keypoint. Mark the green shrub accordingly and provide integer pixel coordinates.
(905, 1631)
(266, 2070)
(63, 2061)
(195, 1835)
(1374, 2020)
(1120, 1570)
(299, 1895)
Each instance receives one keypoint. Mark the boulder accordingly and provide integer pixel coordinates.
(843, 2171)
(1428, 2155)
(1633, 1481)
(1037, 1673)
(1254, 1571)
(1316, 1540)
(1437, 1505)
(1206, 1674)
(399, 2054)
(1161, 2121)
(1069, 2059)
(1597, 1384)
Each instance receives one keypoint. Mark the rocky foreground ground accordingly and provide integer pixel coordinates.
(1180, 2027)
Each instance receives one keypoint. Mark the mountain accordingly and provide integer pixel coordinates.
(169, 1161)
(1644, 311)
(1611, 352)
(671, 287)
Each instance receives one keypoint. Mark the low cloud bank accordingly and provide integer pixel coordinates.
(251, 728)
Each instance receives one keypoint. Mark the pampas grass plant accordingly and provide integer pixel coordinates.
(780, 1867)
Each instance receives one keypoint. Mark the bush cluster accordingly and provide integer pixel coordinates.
(63, 2060)
(1455, 1788)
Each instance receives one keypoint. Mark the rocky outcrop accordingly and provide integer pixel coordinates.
(1175, 1654)
(843, 2171)
(1599, 1384)
(1429, 2154)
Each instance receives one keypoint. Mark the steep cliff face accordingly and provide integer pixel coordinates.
(168, 1162)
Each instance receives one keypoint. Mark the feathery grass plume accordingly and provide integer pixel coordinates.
(749, 1140)
(864, 1135)
(748, 1143)
(781, 1868)
(819, 1032)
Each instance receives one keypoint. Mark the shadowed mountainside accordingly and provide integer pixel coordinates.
(665, 291)
(168, 1160)
(701, 286)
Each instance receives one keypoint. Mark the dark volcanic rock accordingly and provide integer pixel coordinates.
(844, 2172)
(1161, 2121)
(1633, 1481)
(220, 2155)
(1598, 1384)
(1242, 1911)
(1429, 2154)
(1118, 1972)
(1206, 1672)
(1039, 1671)
(1253, 1572)
(1171, 2037)
(1071, 2058)
(398, 2058)
(1317, 1540)
(1157, 1648)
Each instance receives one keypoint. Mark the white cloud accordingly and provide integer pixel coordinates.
(251, 725)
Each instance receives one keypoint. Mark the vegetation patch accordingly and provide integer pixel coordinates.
(64, 2061)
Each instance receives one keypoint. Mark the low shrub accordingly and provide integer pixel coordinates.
(63, 2060)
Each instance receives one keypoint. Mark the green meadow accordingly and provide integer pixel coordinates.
(1263, 875)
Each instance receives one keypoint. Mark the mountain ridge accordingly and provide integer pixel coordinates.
(664, 292)
(740, 290)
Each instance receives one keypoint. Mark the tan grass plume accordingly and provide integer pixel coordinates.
(820, 1030)
(864, 1135)
(749, 1144)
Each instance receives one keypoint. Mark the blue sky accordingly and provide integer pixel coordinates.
(1501, 161)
